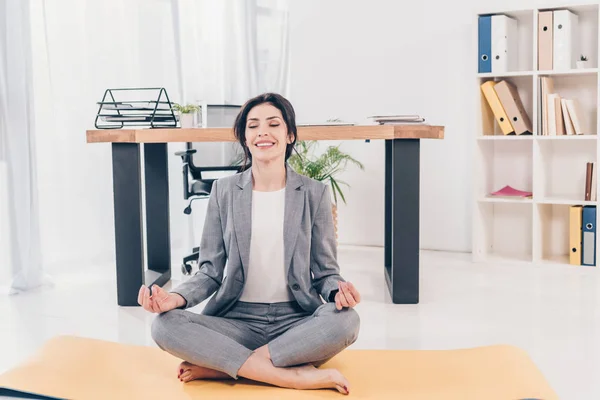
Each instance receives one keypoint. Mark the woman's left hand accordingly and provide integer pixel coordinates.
(347, 296)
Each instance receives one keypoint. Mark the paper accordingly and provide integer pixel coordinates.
(508, 191)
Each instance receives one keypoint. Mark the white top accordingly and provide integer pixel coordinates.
(266, 281)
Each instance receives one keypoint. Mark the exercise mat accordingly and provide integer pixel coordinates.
(68, 367)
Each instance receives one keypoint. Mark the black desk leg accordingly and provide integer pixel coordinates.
(157, 213)
(129, 223)
(129, 246)
(401, 253)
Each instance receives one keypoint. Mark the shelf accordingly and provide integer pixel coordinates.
(525, 86)
(503, 232)
(584, 71)
(561, 169)
(509, 74)
(561, 259)
(505, 137)
(584, 90)
(564, 201)
(538, 137)
(501, 163)
(553, 234)
(526, 231)
(567, 137)
(516, 200)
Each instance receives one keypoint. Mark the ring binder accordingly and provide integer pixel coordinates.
(155, 111)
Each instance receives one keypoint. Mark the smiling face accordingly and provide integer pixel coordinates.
(267, 134)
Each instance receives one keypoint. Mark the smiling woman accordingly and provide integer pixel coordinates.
(283, 309)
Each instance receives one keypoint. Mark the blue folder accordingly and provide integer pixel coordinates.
(588, 240)
(485, 43)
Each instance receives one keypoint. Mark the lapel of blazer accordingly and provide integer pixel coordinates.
(294, 207)
(242, 215)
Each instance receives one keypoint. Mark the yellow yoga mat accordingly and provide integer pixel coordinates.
(79, 368)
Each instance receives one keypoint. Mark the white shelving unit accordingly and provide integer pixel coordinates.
(552, 167)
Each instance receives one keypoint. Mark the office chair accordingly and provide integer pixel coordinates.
(195, 189)
(195, 185)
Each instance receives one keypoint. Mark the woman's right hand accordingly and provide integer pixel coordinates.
(160, 301)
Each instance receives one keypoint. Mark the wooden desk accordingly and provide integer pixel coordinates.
(401, 244)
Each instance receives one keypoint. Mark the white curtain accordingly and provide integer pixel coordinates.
(198, 50)
(17, 128)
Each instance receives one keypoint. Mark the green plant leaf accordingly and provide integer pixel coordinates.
(324, 167)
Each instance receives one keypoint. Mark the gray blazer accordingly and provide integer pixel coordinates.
(310, 254)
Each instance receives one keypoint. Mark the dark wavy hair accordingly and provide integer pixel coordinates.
(287, 112)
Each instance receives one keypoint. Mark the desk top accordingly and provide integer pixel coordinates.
(330, 132)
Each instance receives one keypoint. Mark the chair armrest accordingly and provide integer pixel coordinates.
(186, 152)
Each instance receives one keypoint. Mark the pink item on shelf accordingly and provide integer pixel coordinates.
(508, 191)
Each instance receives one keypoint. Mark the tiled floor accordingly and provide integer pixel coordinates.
(553, 312)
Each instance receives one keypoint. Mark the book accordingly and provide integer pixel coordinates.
(569, 129)
(576, 116)
(590, 182)
(547, 87)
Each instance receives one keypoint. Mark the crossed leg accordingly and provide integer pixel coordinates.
(223, 355)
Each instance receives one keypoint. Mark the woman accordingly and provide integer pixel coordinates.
(281, 309)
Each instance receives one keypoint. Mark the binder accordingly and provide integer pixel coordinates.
(511, 102)
(504, 44)
(566, 38)
(575, 220)
(499, 114)
(545, 40)
(588, 240)
(485, 43)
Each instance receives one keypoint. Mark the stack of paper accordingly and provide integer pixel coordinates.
(397, 119)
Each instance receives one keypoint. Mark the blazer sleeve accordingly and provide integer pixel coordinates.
(212, 257)
(323, 250)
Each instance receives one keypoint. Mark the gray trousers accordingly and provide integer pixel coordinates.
(293, 336)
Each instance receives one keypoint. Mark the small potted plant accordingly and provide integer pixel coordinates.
(582, 62)
(186, 114)
(324, 167)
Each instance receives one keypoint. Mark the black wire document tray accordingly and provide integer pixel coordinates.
(143, 107)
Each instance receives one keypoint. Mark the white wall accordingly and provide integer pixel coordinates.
(353, 59)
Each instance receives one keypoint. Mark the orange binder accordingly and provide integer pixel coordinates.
(511, 102)
(575, 219)
(500, 115)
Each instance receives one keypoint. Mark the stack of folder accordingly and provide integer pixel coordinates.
(498, 44)
(560, 116)
(505, 103)
(582, 235)
(558, 40)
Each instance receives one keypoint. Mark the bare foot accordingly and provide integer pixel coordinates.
(188, 372)
(310, 377)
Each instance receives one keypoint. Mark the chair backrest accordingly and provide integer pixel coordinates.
(218, 154)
